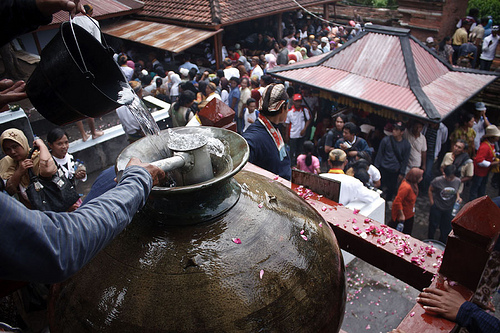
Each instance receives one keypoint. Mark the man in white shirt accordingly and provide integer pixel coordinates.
(351, 189)
(489, 48)
(229, 70)
(418, 145)
(297, 121)
(256, 69)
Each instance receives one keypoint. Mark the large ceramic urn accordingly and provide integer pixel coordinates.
(236, 253)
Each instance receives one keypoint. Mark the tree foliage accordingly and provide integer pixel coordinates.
(486, 8)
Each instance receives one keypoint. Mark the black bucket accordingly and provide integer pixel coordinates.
(76, 78)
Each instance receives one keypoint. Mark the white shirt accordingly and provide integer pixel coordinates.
(351, 189)
(247, 115)
(129, 122)
(89, 24)
(67, 165)
(480, 131)
(257, 71)
(230, 72)
(489, 51)
(127, 72)
(297, 121)
(374, 173)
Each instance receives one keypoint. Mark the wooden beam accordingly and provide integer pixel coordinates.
(280, 26)
(218, 50)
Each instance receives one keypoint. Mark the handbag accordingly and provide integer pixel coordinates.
(57, 194)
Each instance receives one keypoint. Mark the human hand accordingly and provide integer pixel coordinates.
(445, 303)
(38, 143)
(25, 165)
(155, 172)
(80, 174)
(401, 216)
(49, 7)
(11, 92)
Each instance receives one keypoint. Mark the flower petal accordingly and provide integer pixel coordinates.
(261, 273)
(236, 240)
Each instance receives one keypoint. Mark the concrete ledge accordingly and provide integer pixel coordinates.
(97, 154)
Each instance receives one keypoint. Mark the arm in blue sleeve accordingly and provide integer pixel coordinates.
(49, 247)
(476, 320)
(18, 17)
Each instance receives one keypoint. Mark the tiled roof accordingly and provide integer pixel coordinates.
(389, 69)
(103, 8)
(212, 12)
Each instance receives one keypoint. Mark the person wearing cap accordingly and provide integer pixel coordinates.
(297, 121)
(351, 189)
(267, 147)
(480, 124)
(430, 43)
(489, 48)
(325, 45)
(392, 159)
(483, 162)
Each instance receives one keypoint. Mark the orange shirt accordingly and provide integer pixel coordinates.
(405, 200)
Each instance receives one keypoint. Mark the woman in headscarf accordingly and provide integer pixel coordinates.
(303, 52)
(271, 61)
(14, 167)
(267, 148)
(175, 79)
(244, 61)
(403, 206)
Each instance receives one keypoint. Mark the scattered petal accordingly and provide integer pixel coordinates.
(302, 231)
(304, 237)
(321, 224)
(356, 211)
(276, 178)
(261, 273)
(368, 327)
(363, 235)
(412, 314)
(236, 240)
(323, 208)
(261, 205)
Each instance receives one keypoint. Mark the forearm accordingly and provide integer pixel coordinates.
(12, 184)
(47, 166)
(49, 247)
(475, 319)
(18, 17)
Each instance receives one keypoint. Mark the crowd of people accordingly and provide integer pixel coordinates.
(473, 43)
(286, 127)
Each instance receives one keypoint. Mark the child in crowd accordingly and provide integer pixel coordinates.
(251, 114)
(307, 161)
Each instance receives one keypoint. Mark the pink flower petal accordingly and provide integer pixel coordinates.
(368, 327)
(236, 240)
(304, 237)
(323, 208)
(412, 314)
(356, 211)
(302, 231)
(261, 205)
(261, 273)
(321, 224)
(276, 178)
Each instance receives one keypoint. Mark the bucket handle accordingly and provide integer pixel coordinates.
(78, 46)
(86, 72)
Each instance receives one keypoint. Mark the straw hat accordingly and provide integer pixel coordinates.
(492, 130)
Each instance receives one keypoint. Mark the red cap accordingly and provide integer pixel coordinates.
(297, 97)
